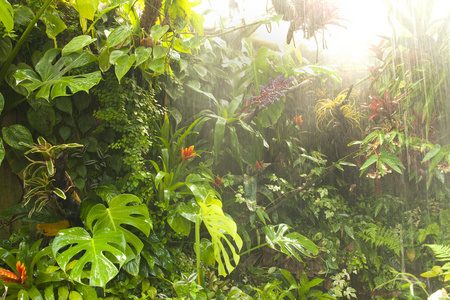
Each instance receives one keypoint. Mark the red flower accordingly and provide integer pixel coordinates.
(259, 165)
(298, 120)
(187, 153)
(8, 276)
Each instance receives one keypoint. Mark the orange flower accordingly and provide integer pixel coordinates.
(8, 276)
(187, 153)
(298, 120)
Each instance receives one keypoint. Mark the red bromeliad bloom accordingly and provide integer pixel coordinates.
(8, 276)
(298, 120)
(187, 153)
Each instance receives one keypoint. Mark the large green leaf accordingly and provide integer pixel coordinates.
(95, 255)
(119, 35)
(86, 8)
(49, 76)
(372, 159)
(123, 65)
(5, 48)
(53, 24)
(23, 15)
(179, 13)
(42, 117)
(16, 136)
(268, 117)
(178, 222)
(6, 15)
(158, 31)
(218, 225)
(391, 160)
(76, 44)
(291, 243)
(142, 55)
(124, 210)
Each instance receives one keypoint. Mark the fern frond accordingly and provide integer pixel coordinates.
(442, 252)
(382, 236)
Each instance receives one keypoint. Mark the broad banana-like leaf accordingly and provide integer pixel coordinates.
(97, 255)
(123, 210)
(291, 243)
(49, 76)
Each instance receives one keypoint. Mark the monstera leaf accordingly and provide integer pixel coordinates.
(123, 210)
(289, 244)
(49, 76)
(92, 256)
(218, 224)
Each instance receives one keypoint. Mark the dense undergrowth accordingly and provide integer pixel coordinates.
(160, 161)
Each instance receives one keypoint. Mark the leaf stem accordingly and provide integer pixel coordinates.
(254, 248)
(197, 243)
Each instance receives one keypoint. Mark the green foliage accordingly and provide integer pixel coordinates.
(289, 243)
(123, 210)
(442, 253)
(38, 175)
(95, 265)
(217, 224)
(7, 15)
(50, 79)
(45, 278)
(95, 260)
(128, 114)
(254, 164)
(382, 236)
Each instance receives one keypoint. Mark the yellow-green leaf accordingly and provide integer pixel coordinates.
(6, 15)
(86, 8)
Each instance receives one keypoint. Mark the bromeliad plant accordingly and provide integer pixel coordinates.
(172, 171)
(38, 175)
(11, 277)
(37, 275)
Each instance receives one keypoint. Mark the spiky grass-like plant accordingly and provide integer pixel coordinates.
(338, 111)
